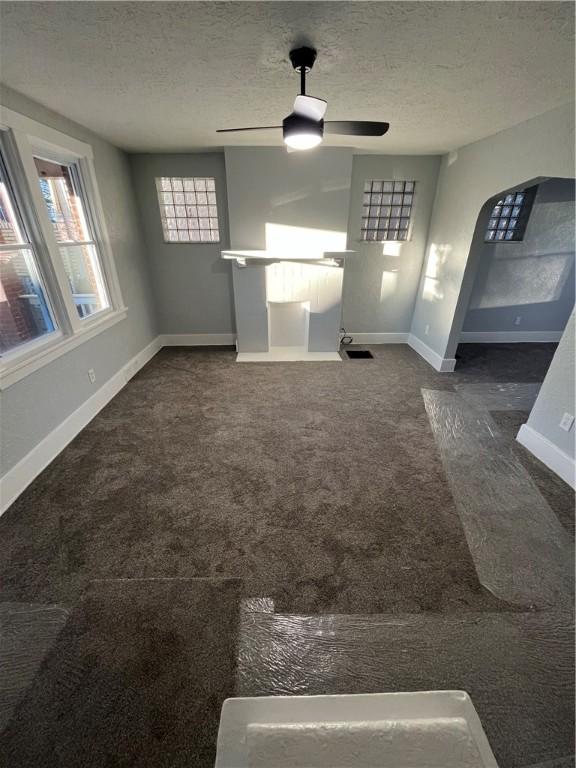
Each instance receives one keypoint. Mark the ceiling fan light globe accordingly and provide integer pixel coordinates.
(302, 140)
(301, 132)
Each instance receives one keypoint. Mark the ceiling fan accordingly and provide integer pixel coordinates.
(305, 127)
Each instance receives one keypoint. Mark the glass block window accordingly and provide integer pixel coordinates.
(509, 216)
(188, 209)
(387, 209)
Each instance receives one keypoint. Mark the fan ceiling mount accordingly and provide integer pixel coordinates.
(305, 127)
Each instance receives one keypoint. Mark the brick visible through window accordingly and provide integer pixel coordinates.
(188, 209)
(386, 209)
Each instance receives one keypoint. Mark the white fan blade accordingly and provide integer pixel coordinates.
(310, 106)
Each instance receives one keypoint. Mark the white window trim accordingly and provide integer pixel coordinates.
(32, 138)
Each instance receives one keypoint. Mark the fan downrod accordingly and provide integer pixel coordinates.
(303, 60)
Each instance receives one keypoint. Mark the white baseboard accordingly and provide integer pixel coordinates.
(27, 469)
(548, 453)
(441, 364)
(505, 337)
(197, 339)
(378, 338)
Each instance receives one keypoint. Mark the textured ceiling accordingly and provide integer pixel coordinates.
(163, 76)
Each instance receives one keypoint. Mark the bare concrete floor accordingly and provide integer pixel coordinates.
(322, 487)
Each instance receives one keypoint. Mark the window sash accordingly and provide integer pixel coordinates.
(89, 263)
(40, 304)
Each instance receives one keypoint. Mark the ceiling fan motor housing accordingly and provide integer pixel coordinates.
(303, 58)
(299, 124)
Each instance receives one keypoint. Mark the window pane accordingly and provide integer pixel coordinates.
(24, 311)
(63, 201)
(60, 188)
(10, 229)
(83, 270)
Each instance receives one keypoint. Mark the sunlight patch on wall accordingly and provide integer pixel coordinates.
(388, 284)
(283, 241)
(432, 290)
(534, 279)
(391, 248)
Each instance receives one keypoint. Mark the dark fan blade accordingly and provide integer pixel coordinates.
(355, 127)
(258, 128)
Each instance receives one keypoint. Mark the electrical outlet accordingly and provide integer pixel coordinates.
(518, 320)
(427, 330)
(566, 422)
(92, 375)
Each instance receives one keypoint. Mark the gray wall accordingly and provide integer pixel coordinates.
(34, 406)
(320, 190)
(306, 190)
(381, 282)
(556, 396)
(192, 286)
(532, 279)
(537, 148)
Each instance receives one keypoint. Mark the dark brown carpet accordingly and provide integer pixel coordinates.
(318, 485)
(550, 486)
(137, 678)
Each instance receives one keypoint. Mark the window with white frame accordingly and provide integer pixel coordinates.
(188, 209)
(63, 195)
(387, 209)
(58, 283)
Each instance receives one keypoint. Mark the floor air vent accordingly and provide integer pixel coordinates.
(359, 354)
